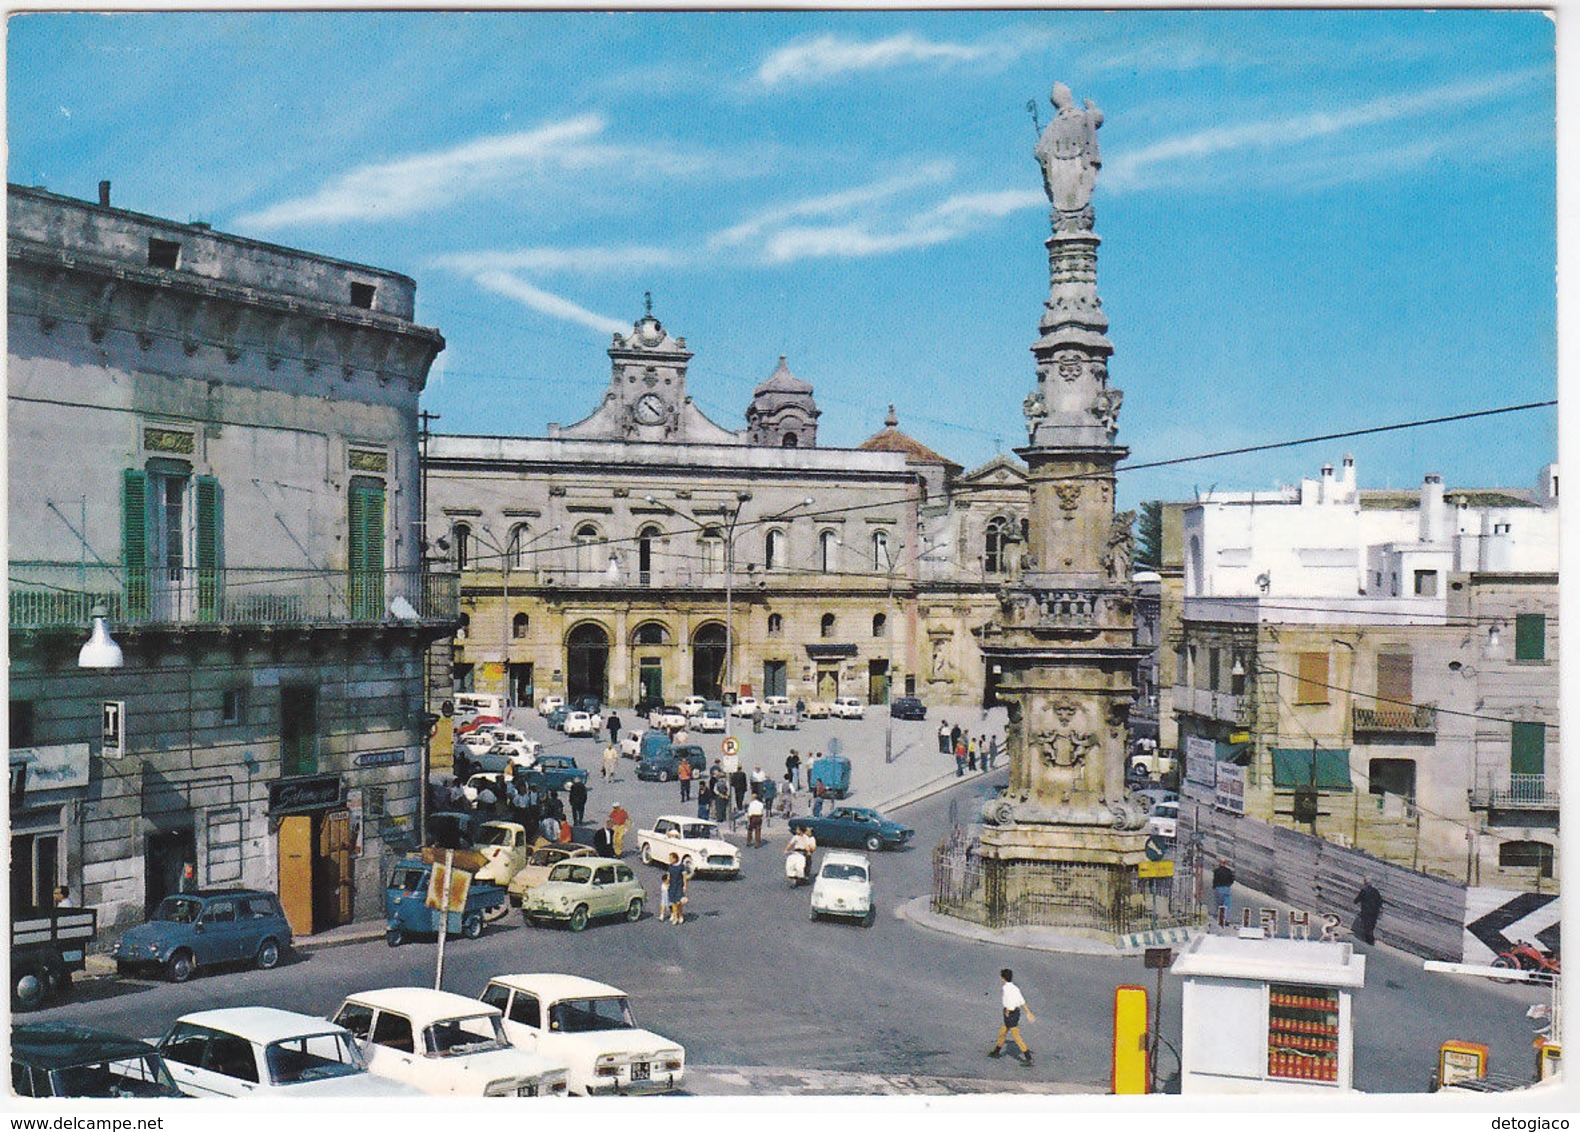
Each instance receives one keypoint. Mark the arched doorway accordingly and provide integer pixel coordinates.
(587, 661)
(650, 644)
(707, 661)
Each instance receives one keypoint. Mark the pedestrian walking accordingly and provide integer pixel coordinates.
(721, 801)
(944, 746)
(1371, 903)
(705, 797)
(683, 773)
(992, 752)
(603, 840)
(620, 819)
(754, 821)
(578, 798)
(960, 760)
(971, 755)
(819, 798)
(786, 797)
(1222, 882)
(614, 730)
(738, 784)
(1014, 1005)
(675, 890)
(793, 767)
(954, 737)
(611, 759)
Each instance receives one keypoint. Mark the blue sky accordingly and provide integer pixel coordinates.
(1311, 221)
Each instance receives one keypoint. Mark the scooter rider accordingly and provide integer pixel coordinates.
(803, 843)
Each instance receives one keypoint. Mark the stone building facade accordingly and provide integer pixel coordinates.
(216, 440)
(1377, 667)
(648, 552)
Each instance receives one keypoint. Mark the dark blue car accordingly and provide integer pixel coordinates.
(855, 827)
(555, 772)
(208, 928)
(663, 763)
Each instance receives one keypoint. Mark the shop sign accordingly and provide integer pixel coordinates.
(1201, 756)
(1229, 789)
(393, 757)
(1153, 870)
(58, 767)
(304, 794)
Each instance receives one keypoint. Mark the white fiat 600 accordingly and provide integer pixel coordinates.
(590, 1028)
(445, 1044)
(843, 887)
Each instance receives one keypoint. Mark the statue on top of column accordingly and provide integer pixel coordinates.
(1068, 154)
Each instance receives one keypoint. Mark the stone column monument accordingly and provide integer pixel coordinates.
(1062, 844)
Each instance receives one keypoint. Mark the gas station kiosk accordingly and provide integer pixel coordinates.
(1264, 1015)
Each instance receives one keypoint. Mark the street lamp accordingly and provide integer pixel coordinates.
(100, 649)
(505, 553)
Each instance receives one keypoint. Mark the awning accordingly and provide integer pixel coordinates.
(1292, 768)
(830, 652)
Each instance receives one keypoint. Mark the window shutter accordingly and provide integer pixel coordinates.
(1313, 685)
(134, 541)
(1395, 680)
(210, 546)
(1528, 748)
(365, 503)
(1530, 636)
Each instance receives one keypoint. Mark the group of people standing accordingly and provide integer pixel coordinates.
(971, 752)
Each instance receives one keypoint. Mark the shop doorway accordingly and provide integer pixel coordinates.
(167, 855)
(35, 870)
(650, 678)
(877, 681)
(587, 657)
(315, 870)
(522, 693)
(774, 682)
(707, 661)
(828, 683)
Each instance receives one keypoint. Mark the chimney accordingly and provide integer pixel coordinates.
(1432, 515)
(104, 194)
(1326, 495)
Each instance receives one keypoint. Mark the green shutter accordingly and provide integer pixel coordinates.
(1530, 636)
(1528, 748)
(1292, 769)
(134, 542)
(210, 546)
(365, 557)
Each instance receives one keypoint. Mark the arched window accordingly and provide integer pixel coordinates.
(776, 625)
(588, 564)
(880, 624)
(826, 627)
(461, 540)
(520, 540)
(1536, 855)
(774, 550)
(827, 548)
(995, 547)
(518, 626)
(710, 547)
(644, 554)
(790, 440)
(651, 633)
(880, 550)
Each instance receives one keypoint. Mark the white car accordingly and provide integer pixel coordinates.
(481, 739)
(549, 703)
(701, 849)
(844, 887)
(590, 1028)
(515, 742)
(581, 723)
(445, 1044)
(472, 786)
(507, 848)
(631, 745)
(784, 703)
(746, 707)
(849, 707)
(667, 718)
(709, 719)
(819, 709)
(1164, 820)
(692, 705)
(250, 1051)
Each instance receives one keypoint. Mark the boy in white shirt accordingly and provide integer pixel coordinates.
(1014, 1003)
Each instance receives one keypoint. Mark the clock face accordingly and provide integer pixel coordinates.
(650, 409)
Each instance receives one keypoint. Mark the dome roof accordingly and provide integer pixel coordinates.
(783, 381)
(891, 439)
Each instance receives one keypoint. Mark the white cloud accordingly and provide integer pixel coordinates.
(586, 260)
(828, 204)
(555, 306)
(1163, 160)
(950, 219)
(424, 181)
(829, 56)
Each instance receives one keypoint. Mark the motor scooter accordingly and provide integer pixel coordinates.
(795, 868)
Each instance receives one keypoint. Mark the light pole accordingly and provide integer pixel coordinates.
(505, 552)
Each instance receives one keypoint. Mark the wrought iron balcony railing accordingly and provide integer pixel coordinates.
(58, 595)
(1414, 718)
(1503, 790)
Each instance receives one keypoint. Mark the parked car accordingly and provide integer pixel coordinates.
(47, 945)
(473, 786)
(668, 717)
(818, 709)
(1164, 820)
(711, 718)
(542, 861)
(746, 707)
(555, 772)
(781, 718)
(510, 740)
(556, 718)
(907, 707)
(584, 889)
(587, 702)
(478, 739)
(849, 707)
(208, 928)
(444, 1044)
(589, 1027)
(783, 702)
(856, 827)
(663, 763)
(406, 904)
(832, 772)
(580, 723)
(548, 703)
(60, 1059)
(250, 1051)
(701, 849)
(472, 708)
(844, 888)
(691, 705)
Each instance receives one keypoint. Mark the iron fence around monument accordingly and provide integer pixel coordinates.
(1087, 897)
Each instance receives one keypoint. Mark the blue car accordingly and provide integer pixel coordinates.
(208, 928)
(855, 827)
(556, 718)
(663, 763)
(555, 772)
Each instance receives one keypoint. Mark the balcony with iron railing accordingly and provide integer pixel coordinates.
(1404, 719)
(1505, 790)
(1223, 706)
(55, 595)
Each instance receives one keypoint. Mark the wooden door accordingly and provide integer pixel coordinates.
(334, 865)
(296, 872)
